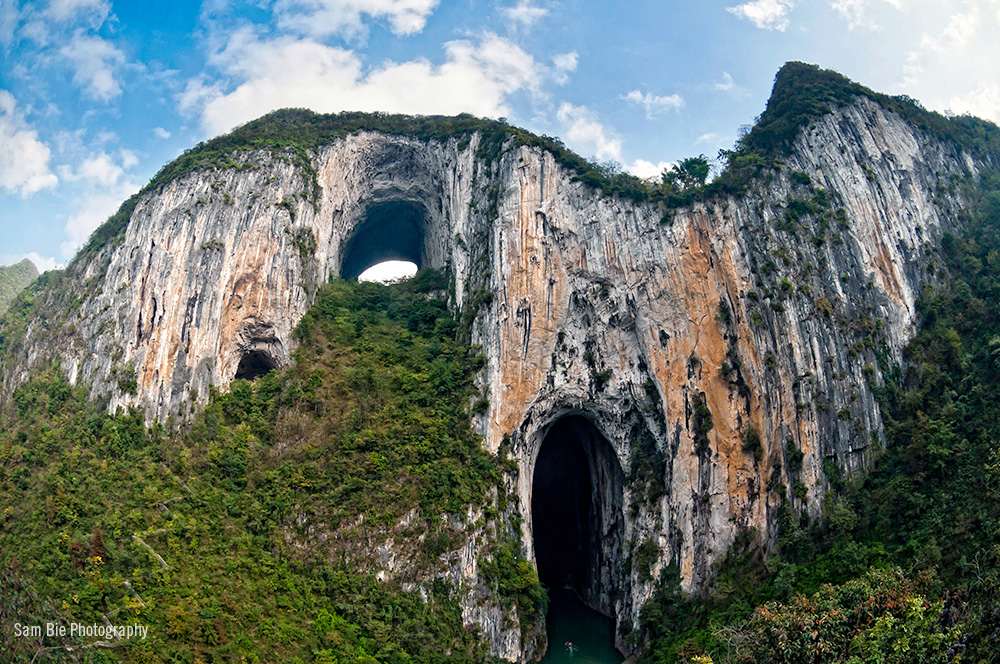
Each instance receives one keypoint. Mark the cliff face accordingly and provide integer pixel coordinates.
(725, 353)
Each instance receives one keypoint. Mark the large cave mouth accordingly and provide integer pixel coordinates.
(390, 231)
(576, 512)
(255, 364)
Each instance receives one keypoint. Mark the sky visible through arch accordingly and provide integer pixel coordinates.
(388, 271)
(96, 95)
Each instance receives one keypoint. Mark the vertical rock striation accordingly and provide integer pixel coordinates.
(726, 351)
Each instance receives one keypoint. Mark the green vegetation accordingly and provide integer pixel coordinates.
(930, 506)
(689, 173)
(25, 307)
(267, 507)
(801, 93)
(13, 278)
(752, 444)
(293, 135)
(702, 424)
(879, 617)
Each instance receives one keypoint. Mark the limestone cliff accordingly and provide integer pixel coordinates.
(726, 351)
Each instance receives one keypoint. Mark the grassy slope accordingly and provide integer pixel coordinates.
(267, 558)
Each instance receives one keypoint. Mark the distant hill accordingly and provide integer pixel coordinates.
(13, 278)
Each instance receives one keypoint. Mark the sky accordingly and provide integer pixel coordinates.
(97, 95)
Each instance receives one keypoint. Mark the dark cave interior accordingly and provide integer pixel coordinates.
(255, 364)
(562, 508)
(392, 230)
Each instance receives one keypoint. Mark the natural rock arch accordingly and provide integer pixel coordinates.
(390, 230)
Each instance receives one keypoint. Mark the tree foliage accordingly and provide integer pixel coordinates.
(269, 506)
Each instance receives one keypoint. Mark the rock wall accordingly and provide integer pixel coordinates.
(726, 351)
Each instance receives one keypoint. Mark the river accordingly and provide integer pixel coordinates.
(592, 634)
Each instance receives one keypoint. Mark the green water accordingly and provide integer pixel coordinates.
(592, 635)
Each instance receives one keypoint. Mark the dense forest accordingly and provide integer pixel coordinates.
(200, 533)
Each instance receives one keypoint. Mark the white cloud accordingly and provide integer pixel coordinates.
(766, 14)
(957, 67)
(286, 72)
(957, 34)
(95, 62)
(726, 85)
(98, 169)
(102, 182)
(161, 133)
(25, 165)
(655, 104)
(729, 87)
(322, 18)
(10, 15)
(197, 94)
(912, 70)
(647, 170)
(42, 263)
(983, 102)
(65, 10)
(129, 158)
(711, 138)
(855, 12)
(583, 129)
(564, 64)
(524, 13)
(94, 209)
(585, 133)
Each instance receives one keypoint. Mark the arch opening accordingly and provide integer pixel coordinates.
(390, 231)
(255, 364)
(576, 513)
(389, 271)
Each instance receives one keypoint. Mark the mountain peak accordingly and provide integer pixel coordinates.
(804, 91)
(13, 278)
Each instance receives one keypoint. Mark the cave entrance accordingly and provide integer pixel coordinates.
(255, 364)
(576, 513)
(390, 231)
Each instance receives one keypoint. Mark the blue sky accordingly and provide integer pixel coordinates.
(96, 95)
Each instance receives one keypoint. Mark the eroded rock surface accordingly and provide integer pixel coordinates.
(773, 315)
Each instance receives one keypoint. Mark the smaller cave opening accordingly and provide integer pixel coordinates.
(255, 364)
